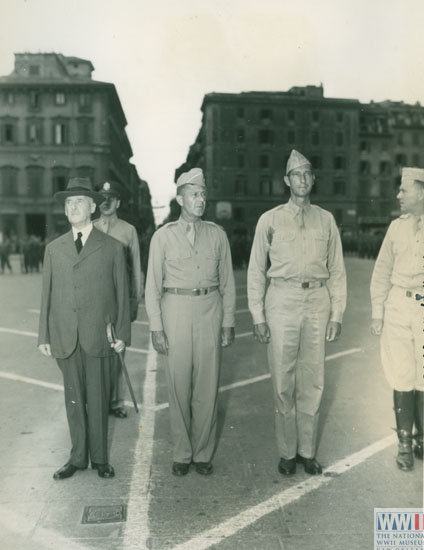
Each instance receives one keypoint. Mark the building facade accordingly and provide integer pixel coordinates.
(56, 122)
(356, 151)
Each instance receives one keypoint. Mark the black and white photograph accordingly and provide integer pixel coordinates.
(211, 275)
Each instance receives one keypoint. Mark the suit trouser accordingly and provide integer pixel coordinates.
(297, 319)
(193, 327)
(402, 341)
(117, 385)
(87, 387)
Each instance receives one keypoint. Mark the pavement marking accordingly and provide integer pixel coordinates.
(243, 310)
(262, 377)
(33, 381)
(140, 323)
(240, 521)
(136, 532)
(243, 334)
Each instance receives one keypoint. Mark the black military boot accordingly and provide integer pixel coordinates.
(404, 411)
(418, 417)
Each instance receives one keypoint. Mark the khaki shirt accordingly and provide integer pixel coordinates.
(126, 234)
(311, 253)
(175, 263)
(399, 262)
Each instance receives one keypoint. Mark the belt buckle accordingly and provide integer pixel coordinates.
(196, 291)
(305, 285)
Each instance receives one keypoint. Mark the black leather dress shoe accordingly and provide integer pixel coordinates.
(66, 471)
(311, 465)
(119, 412)
(203, 468)
(103, 470)
(287, 466)
(180, 468)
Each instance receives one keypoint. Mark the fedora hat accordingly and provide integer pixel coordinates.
(76, 187)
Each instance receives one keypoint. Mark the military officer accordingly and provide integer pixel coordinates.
(84, 288)
(125, 233)
(190, 301)
(302, 308)
(396, 298)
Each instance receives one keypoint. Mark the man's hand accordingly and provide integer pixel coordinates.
(261, 333)
(227, 336)
(45, 349)
(160, 341)
(118, 346)
(376, 327)
(333, 331)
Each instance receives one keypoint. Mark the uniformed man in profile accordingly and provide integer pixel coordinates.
(190, 301)
(397, 296)
(109, 223)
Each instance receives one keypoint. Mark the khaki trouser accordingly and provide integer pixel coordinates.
(298, 320)
(86, 385)
(193, 327)
(402, 340)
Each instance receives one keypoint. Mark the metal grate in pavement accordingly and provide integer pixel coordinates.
(104, 514)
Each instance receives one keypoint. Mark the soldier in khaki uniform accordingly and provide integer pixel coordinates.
(302, 307)
(190, 301)
(126, 234)
(397, 313)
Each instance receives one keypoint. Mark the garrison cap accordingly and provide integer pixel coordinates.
(413, 174)
(110, 189)
(77, 187)
(194, 176)
(296, 159)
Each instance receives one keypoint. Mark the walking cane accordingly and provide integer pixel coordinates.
(110, 332)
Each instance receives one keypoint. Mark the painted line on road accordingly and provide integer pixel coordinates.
(140, 323)
(33, 381)
(35, 335)
(244, 519)
(263, 377)
(136, 529)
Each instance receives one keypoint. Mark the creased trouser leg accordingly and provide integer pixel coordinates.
(117, 383)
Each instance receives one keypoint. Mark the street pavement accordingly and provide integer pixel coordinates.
(246, 503)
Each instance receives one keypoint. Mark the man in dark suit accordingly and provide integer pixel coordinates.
(85, 287)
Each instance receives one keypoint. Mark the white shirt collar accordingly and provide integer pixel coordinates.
(85, 232)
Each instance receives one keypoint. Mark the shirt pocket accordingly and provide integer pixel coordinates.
(283, 243)
(177, 264)
(211, 264)
(320, 244)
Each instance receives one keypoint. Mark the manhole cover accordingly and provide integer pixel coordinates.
(104, 514)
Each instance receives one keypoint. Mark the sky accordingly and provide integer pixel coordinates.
(164, 55)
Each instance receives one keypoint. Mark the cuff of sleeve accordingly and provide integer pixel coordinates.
(377, 311)
(228, 320)
(258, 317)
(336, 317)
(155, 324)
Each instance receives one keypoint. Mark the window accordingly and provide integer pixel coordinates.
(238, 214)
(292, 115)
(364, 168)
(400, 139)
(291, 136)
(315, 138)
(240, 135)
(34, 131)
(264, 161)
(339, 187)
(339, 116)
(59, 98)
(315, 116)
(34, 100)
(35, 181)
(266, 137)
(364, 146)
(339, 163)
(240, 112)
(240, 185)
(84, 131)
(60, 178)
(9, 133)
(86, 172)
(265, 187)
(60, 133)
(339, 139)
(401, 159)
(415, 138)
(9, 98)
(266, 114)
(240, 160)
(84, 101)
(384, 168)
(416, 160)
(34, 70)
(9, 181)
(316, 162)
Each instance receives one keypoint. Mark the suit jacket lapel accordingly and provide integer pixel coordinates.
(69, 246)
(91, 245)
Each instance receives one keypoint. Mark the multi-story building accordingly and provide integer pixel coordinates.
(56, 122)
(356, 151)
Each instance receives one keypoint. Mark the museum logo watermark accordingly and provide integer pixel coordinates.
(398, 528)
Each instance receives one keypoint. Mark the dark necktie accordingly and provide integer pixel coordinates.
(78, 242)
